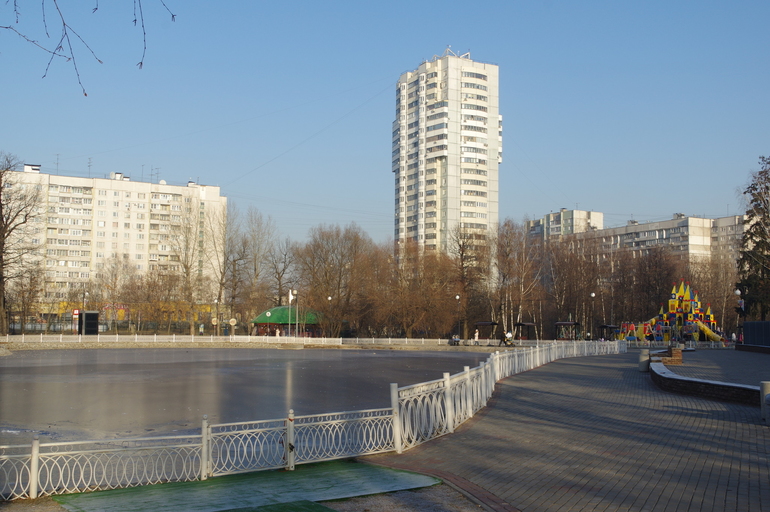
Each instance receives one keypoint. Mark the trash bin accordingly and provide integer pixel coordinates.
(644, 360)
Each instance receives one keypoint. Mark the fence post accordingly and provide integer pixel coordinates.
(450, 406)
(397, 443)
(764, 396)
(34, 462)
(205, 434)
(468, 392)
(290, 441)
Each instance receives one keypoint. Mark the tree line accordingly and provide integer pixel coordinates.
(235, 264)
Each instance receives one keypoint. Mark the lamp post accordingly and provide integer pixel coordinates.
(457, 298)
(216, 318)
(296, 316)
(328, 321)
(742, 305)
(591, 319)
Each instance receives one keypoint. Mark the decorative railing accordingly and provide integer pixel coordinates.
(128, 339)
(417, 413)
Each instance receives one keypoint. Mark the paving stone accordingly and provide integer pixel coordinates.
(595, 434)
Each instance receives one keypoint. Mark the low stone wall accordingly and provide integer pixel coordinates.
(670, 356)
(761, 349)
(667, 380)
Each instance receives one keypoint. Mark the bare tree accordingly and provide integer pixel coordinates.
(110, 287)
(25, 291)
(331, 265)
(257, 238)
(518, 270)
(187, 242)
(68, 38)
(422, 289)
(280, 262)
(20, 203)
(469, 249)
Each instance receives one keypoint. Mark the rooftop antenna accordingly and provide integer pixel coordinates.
(89, 166)
(57, 165)
(142, 173)
(154, 173)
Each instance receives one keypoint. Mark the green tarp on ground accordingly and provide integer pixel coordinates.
(309, 482)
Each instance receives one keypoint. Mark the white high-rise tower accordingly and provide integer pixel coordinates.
(447, 145)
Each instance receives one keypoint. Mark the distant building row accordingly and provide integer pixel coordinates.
(692, 238)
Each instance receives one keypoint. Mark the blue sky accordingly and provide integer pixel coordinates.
(635, 109)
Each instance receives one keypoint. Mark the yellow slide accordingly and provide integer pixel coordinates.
(711, 335)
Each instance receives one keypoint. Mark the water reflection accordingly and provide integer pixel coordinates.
(92, 394)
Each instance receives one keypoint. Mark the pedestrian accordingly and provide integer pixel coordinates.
(503, 338)
(476, 335)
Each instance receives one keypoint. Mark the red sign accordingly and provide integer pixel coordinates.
(75, 312)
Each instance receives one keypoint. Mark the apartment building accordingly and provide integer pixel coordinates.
(88, 222)
(565, 222)
(692, 238)
(447, 146)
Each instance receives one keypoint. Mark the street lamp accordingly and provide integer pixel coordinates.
(296, 316)
(457, 297)
(216, 318)
(591, 320)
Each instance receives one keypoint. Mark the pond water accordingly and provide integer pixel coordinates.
(63, 395)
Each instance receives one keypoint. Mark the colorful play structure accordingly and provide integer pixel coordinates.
(685, 320)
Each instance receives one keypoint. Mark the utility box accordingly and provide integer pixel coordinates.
(88, 322)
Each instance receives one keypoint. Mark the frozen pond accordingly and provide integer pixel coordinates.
(107, 393)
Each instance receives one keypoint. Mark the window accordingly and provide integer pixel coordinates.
(471, 85)
(440, 104)
(433, 117)
(471, 74)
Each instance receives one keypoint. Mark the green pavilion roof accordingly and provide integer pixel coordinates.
(286, 315)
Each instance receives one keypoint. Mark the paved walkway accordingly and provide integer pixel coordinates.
(595, 434)
(749, 368)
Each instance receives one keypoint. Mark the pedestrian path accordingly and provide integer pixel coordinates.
(595, 434)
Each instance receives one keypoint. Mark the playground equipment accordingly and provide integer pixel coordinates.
(685, 320)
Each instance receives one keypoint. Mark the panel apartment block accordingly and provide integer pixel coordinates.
(88, 221)
(447, 146)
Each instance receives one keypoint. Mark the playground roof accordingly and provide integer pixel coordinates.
(286, 315)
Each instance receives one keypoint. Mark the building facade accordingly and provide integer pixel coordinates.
(565, 222)
(87, 223)
(447, 147)
(691, 238)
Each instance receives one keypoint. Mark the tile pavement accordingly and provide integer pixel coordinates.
(595, 434)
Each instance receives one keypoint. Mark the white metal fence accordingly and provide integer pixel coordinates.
(128, 339)
(416, 414)
(688, 344)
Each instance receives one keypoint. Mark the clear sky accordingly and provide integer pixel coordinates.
(635, 109)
